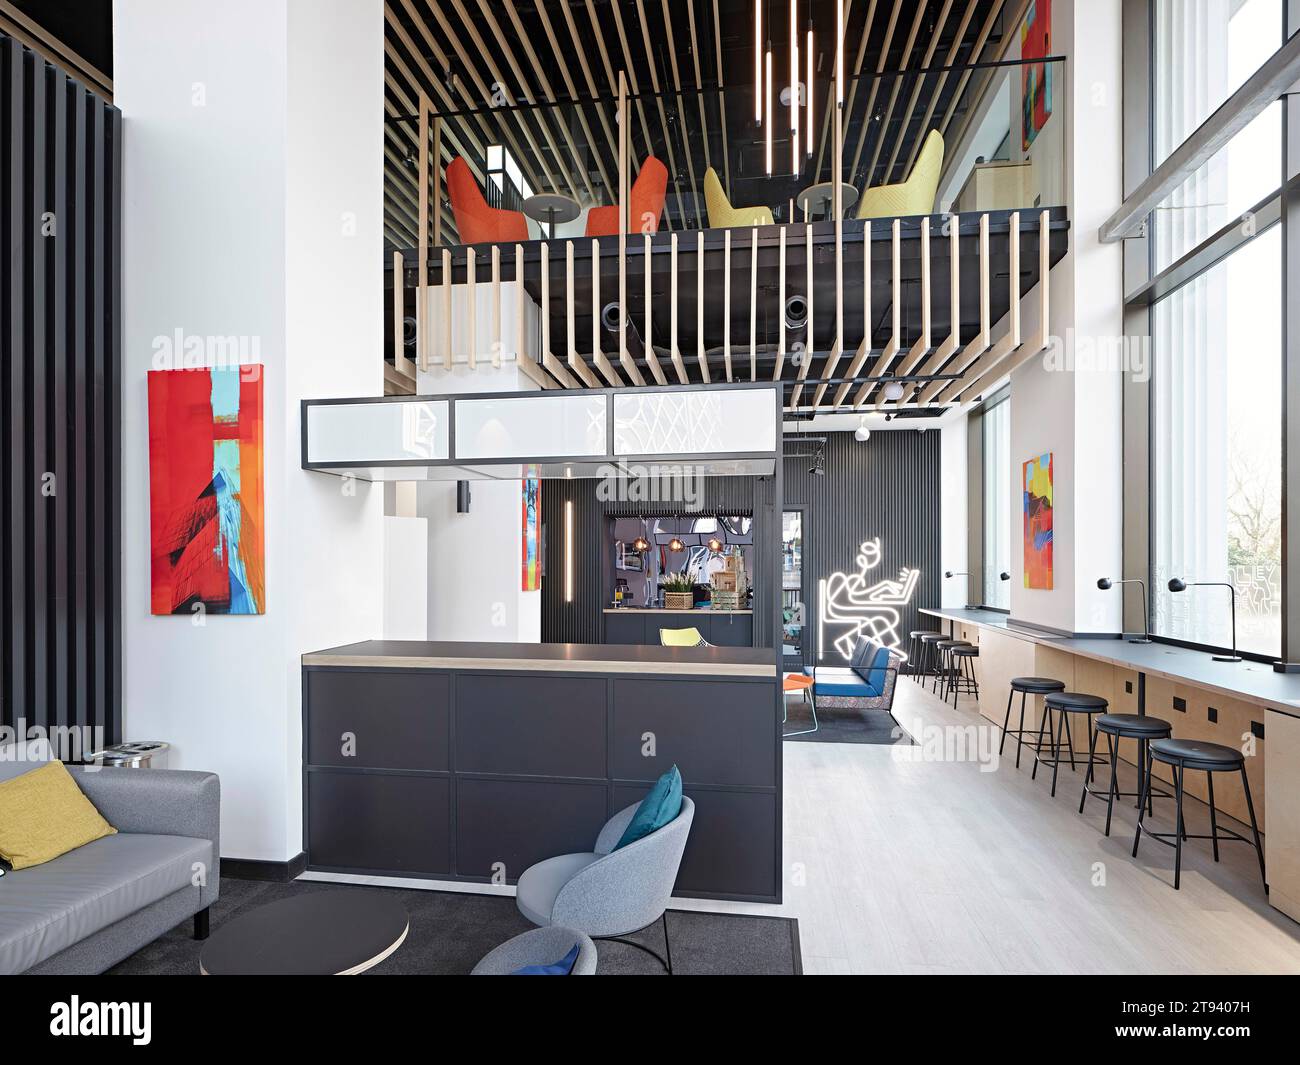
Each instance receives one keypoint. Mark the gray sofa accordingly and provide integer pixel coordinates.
(90, 908)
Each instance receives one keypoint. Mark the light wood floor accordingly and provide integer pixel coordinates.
(936, 867)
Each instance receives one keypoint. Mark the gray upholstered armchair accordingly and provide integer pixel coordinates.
(609, 893)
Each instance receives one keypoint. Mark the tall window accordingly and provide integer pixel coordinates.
(1204, 51)
(1216, 432)
(1216, 381)
(997, 504)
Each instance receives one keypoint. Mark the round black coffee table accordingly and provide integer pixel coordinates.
(313, 934)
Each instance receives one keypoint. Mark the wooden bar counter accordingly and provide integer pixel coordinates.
(1246, 705)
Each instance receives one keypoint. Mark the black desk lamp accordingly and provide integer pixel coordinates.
(1178, 585)
(1105, 584)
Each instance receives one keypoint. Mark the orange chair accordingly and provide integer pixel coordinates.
(476, 221)
(647, 205)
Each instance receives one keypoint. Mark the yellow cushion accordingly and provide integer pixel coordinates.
(722, 215)
(680, 637)
(913, 196)
(44, 814)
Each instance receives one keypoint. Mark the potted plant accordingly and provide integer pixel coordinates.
(679, 592)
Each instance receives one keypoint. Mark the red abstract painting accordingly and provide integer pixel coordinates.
(1035, 78)
(205, 491)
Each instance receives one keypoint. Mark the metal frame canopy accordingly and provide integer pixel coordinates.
(723, 430)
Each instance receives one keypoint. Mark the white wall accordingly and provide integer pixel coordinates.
(1064, 403)
(252, 207)
(952, 513)
(475, 559)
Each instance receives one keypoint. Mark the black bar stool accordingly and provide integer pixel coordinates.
(929, 656)
(1026, 686)
(1124, 726)
(943, 650)
(963, 673)
(1063, 704)
(1210, 758)
(914, 646)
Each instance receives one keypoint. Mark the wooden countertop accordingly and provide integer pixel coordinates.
(550, 657)
(1253, 682)
(669, 610)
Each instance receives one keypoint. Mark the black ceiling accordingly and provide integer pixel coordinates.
(461, 52)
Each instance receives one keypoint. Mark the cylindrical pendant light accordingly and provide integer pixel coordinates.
(770, 117)
(839, 53)
(809, 117)
(758, 61)
(794, 86)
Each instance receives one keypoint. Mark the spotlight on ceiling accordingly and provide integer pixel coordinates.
(894, 391)
(862, 434)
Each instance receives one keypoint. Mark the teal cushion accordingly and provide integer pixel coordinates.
(658, 808)
(563, 967)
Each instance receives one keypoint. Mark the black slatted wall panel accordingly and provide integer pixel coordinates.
(887, 488)
(60, 630)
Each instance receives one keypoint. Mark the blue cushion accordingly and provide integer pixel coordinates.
(658, 808)
(873, 671)
(563, 967)
(838, 680)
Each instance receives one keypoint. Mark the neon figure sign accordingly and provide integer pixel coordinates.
(847, 600)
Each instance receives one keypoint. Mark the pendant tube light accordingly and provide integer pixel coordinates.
(768, 94)
(794, 86)
(808, 119)
(839, 53)
(758, 62)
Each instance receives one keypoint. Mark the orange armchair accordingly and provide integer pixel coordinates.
(648, 191)
(476, 221)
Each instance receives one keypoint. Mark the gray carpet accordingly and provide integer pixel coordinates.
(836, 725)
(450, 932)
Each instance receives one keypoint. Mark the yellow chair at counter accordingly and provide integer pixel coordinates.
(722, 215)
(682, 638)
(913, 196)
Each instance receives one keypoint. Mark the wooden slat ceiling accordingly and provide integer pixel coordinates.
(690, 66)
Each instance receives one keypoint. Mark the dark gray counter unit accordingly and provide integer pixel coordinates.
(468, 761)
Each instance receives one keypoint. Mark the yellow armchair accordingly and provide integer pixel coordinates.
(682, 638)
(722, 215)
(913, 196)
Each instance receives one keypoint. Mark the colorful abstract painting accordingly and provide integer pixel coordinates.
(205, 491)
(532, 516)
(1038, 522)
(1035, 78)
